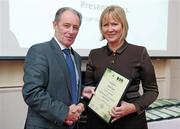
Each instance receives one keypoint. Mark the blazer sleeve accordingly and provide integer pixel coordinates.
(35, 87)
(149, 84)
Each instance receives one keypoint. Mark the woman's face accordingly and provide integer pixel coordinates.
(111, 29)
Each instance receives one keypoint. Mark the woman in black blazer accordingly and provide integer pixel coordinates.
(129, 60)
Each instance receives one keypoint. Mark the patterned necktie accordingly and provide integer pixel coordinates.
(72, 72)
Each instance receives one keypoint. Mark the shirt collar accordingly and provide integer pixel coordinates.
(118, 51)
(61, 45)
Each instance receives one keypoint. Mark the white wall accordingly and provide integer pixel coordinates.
(175, 79)
(13, 109)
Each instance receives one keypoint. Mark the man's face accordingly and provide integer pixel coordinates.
(67, 28)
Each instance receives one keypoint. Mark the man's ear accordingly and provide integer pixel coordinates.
(54, 24)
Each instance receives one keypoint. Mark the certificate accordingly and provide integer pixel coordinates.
(174, 114)
(175, 109)
(161, 114)
(108, 93)
(152, 116)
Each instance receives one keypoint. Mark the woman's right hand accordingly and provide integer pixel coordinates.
(88, 91)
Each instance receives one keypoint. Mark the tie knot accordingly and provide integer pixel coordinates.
(67, 51)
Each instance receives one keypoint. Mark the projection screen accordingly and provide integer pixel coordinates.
(154, 24)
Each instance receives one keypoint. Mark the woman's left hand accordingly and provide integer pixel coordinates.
(125, 109)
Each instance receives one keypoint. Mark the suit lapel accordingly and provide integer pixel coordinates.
(61, 61)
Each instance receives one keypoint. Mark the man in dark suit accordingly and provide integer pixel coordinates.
(48, 83)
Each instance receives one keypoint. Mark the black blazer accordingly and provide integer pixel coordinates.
(134, 63)
(47, 88)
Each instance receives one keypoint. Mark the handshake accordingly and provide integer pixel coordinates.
(74, 113)
(76, 110)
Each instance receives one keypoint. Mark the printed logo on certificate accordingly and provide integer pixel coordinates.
(108, 93)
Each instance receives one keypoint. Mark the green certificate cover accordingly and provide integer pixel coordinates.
(108, 93)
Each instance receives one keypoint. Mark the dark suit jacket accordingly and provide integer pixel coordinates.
(47, 88)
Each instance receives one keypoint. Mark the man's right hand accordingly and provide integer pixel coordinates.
(73, 114)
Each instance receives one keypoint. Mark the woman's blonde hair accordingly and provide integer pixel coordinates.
(118, 14)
